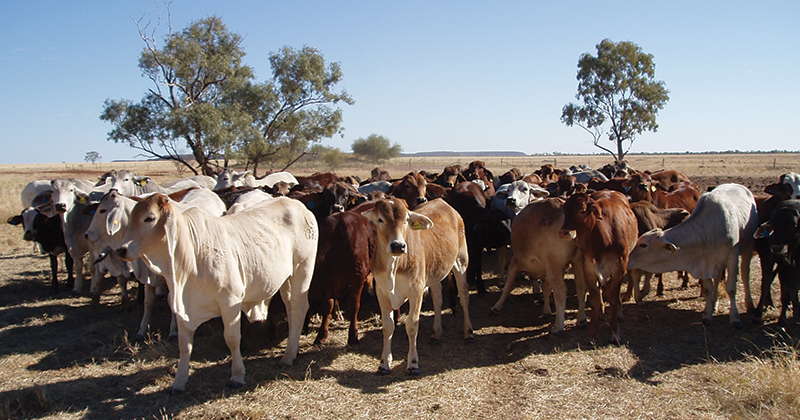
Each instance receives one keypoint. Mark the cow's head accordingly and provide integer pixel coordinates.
(520, 194)
(394, 220)
(65, 194)
(412, 188)
(109, 217)
(639, 187)
(124, 180)
(782, 230)
(151, 230)
(229, 178)
(580, 213)
(653, 253)
(31, 220)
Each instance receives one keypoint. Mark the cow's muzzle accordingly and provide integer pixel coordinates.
(60, 207)
(567, 234)
(398, 247)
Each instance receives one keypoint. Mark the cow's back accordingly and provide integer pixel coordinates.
(438, 247)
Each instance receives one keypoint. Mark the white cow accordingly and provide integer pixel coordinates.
(415, 251)
(513, 197)
(248, 200)
(539, 251)
(223, 266)
(707, 244)
(792, 179)
(270, 180)
(229, 178)
(129, 184)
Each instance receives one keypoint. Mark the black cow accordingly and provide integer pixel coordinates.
(783, 234)
(48, 233)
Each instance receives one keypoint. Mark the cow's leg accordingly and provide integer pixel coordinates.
(580, 290)
(412, 329)
(746, 259)
(98, 274)
(641, 294)
(353, 306)
(555, 279)
(185, 342)
(232, 330)
(767, 277)
(631, 281)
(611, 293)
(436, 297)
(53, 273)
(660, 285)
(70, 264)
(326, 307)
(387, 319)
(544, 291)
(595, 298)
(710, 287)
(730, 287)
(786, 299)
(149, 302)
(173, 326)
(511, 275)
(504, 254)
(122, 281)
(463, 296)
(78, 284)
(294, 293)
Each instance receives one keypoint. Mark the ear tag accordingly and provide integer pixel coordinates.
(116, 222)
(416, 226)
(310, 205)
(142, 183)
(82, 200)
(652, 188)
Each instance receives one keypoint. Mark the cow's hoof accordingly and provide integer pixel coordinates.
(470, 339)
(583, 323)
(494, 312)
(172, 337)
(737, 325)
(706, 322)
(139, 338)
(554, 333)
(352, 341)
(235, 385)
(615, 341)
(414, 371)
(383, 371)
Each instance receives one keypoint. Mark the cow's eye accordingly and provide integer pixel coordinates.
(149, 219)
(643, 246)
(102, 211)
(380, 220)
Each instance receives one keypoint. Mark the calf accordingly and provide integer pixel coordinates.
(223, 266)
(412, 188)
(346, 246)
(707, 244)
(603, 226)
(47, 232)
(539, 252)
(782, 232)
(229, 178)
(766, 206)
(416, 250)
(665, 180)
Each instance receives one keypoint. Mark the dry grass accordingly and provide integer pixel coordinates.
(62, 358)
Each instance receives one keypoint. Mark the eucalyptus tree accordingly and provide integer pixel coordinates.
(619, 96)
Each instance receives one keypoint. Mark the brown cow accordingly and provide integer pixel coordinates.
(412, 188)
(666, 180)
(604, 228)
(416, 250)
(684, 196)
(477, 171)
(539, 252)
(346, 246)
(450, 176)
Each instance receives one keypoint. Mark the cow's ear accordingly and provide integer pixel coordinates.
(238, 175)
(141, 180)
(113, 221)
(370, 215)
(672, 248)
(15, 220)
(136, 198)
(595, 209)
(763, 231)
(419, 221)
(81, 196)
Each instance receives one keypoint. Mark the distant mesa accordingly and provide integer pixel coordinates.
(451, 153)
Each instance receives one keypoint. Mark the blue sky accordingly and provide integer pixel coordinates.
(429, 75)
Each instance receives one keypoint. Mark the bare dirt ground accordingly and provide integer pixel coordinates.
(62, 358)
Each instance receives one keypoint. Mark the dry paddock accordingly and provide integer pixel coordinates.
(62, 358)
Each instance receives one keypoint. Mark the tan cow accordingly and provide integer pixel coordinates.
(415, 251)
(223, 266)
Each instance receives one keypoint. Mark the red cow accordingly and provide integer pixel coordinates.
(412, 188)
(450, 176)
(346, 245)
(684, 196)
(604, 228)
(667, 179)
(477, 171)
(324, 178)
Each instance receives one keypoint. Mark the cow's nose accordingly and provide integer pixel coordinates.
(398, 247)
(511, 202)
(421, 200)
(121, 252)
(61, 207)
(28, 236)
(337, 208)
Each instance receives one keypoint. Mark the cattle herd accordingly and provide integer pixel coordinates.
(225, 247)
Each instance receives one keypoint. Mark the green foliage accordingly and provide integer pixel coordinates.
(205, 99)
(617, 87)
(375, 148)
(332, 157)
